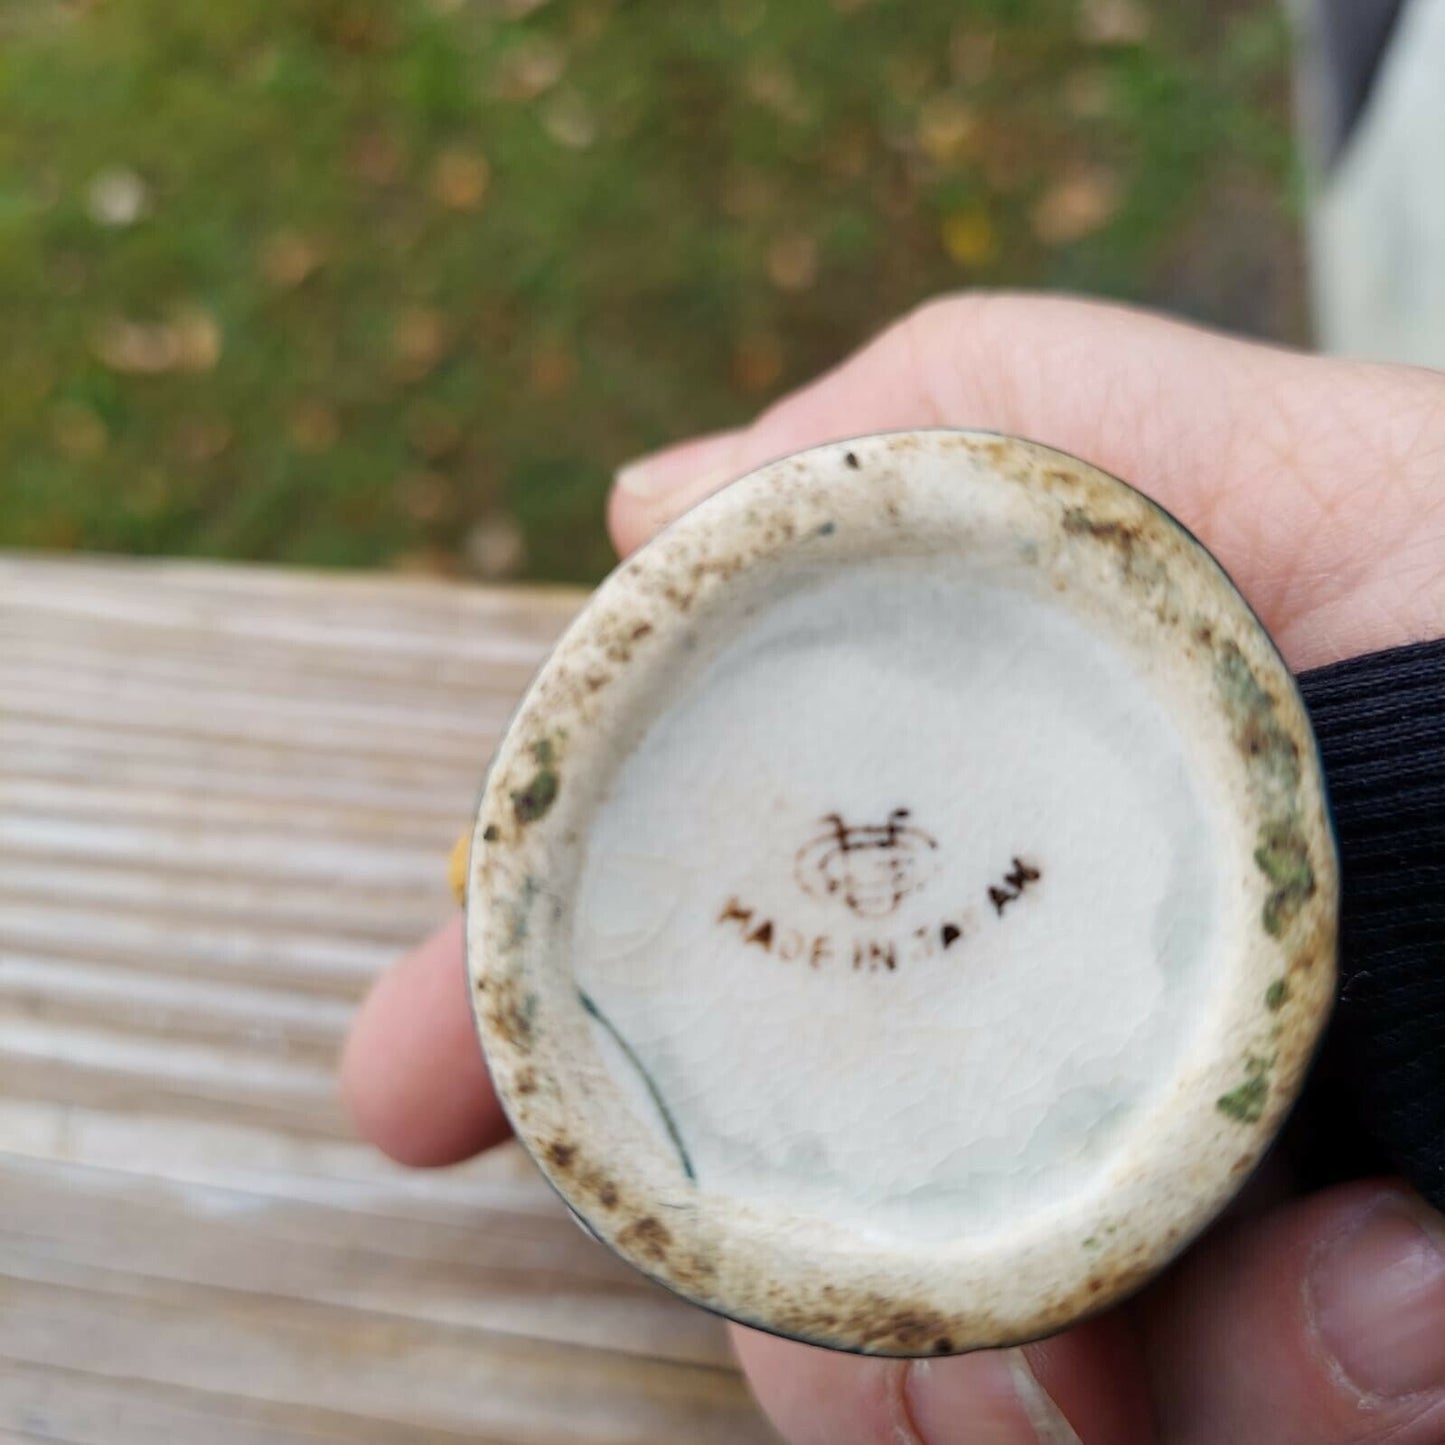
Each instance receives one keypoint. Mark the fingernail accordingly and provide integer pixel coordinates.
(1377, 1299)
(693, 468)
(991, 1398)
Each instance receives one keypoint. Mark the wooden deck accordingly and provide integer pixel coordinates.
(226, 800)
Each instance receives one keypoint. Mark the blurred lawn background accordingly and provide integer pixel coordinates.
(400, 282)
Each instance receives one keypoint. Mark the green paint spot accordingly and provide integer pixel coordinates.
(1283, 857)
(827, 529)
(491, 833)
(531, 802)
(1257, 731)
(1238, 683)
(1276, 995)
(521, 912)
(1091, 1242)
(1246, 1103)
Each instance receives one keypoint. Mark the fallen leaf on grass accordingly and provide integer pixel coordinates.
(590, 21)
(552, 369)
(78, 433)
(793, 261)
(774, 87)
(459, 179)
(969, 237)
(1114, 22)
(197, 338)
(529, 69)
(1089, 94)
(190, 340)
(1076, 206)
(201, 439)
(757, 362)
(946, 130)
(377, 158)
(288, 258)
(496, 548)
(313, 427)
(360, 30)
(568, 119)
(426, 496)
(418, 341)
(116, 198)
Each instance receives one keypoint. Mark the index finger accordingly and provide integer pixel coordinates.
(412, 1074)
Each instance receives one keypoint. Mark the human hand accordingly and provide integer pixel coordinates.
(1320, 485)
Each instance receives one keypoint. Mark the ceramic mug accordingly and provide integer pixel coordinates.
(903, 908)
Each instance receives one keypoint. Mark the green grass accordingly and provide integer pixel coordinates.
(404, 269)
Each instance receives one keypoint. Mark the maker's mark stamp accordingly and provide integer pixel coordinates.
(1014, 882)
(869, 867)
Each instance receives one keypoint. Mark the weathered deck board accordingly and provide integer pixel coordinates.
(226, 799)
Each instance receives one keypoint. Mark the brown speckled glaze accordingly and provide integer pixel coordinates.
(1084, 535)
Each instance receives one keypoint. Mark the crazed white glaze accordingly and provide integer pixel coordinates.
(903, 907)
(860, 1053)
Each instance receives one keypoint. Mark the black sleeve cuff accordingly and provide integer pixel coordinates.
(1377, 1100)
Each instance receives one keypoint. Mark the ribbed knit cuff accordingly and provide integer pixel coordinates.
(1379, 1097)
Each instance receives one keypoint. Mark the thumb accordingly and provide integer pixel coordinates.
(891, 384)
(1057, 370)
(1309, 478)
(651, 491)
